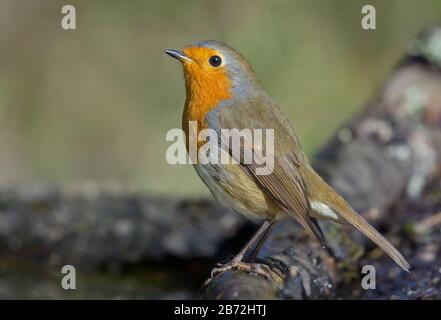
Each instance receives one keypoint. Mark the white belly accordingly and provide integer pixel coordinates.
(236, 190)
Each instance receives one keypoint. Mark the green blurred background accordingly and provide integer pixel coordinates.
(94, 104)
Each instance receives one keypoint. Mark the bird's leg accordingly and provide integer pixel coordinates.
(253, 253)
(237, 263)
(258, 237)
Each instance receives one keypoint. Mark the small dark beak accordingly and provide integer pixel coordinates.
(177, 55)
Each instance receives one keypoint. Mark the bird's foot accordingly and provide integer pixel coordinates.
(256, 268)
(259, 269)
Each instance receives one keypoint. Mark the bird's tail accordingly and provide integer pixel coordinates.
(361, 224)
(347, 214)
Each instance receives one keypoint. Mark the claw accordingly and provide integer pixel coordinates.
(259, 269)
(256, 268)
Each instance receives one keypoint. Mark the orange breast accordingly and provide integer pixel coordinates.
(206, 88)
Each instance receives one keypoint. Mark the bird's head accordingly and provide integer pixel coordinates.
(214, 71)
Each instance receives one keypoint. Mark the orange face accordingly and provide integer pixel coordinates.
(206, 76)
(207, 83)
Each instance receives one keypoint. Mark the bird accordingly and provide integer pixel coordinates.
(223, 92)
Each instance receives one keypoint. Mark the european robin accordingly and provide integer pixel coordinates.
(222, 92)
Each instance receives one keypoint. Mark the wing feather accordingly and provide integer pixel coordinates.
(285, 184)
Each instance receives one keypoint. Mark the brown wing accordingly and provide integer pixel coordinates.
(285, 183)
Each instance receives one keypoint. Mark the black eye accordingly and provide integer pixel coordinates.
(215, 61)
